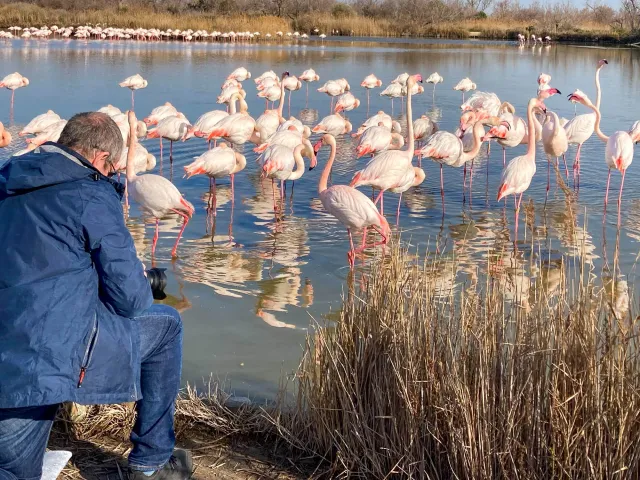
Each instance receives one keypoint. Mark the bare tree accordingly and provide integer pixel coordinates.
(478, 5)
(631, 13)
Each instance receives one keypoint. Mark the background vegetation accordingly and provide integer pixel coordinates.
(447, 18)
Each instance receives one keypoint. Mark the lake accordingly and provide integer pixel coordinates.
(248, 286)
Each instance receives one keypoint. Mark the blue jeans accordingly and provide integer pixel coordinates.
(24, 432)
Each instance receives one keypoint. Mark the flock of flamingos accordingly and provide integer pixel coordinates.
(284, 143)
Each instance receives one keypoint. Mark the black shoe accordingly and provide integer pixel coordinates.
(179, 467)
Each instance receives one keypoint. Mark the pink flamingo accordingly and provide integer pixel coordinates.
(12, 82)
(333, 88)
(346, 102)
(39, 123)
(581, 127)
(309, 76)
(351, 207)
(378, 139)
(517, 175)
(413, 177)
(220, 162)
(387, 169)
(465, 85)
(173, 128)
(619, 146)
(333, 124)
(370, 82)
(133, 83)
(156, 195)
(238, 128)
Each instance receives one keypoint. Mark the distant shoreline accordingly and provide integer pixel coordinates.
(27, 15)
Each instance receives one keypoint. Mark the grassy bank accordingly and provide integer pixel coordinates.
(503, 378)
(22, 14)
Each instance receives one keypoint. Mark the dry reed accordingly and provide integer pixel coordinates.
(499, 378)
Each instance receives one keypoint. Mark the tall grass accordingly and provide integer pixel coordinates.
(496, 381)
(499, 379)
(23, 14)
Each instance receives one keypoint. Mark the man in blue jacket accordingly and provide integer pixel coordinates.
(77, 322)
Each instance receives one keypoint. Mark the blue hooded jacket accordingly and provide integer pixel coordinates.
(70, 282)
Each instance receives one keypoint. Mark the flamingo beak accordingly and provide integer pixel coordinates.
(506, 124)
(316, 147)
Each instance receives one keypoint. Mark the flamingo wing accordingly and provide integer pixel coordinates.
(351, 207)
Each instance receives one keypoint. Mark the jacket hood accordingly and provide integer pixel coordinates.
(49, 164)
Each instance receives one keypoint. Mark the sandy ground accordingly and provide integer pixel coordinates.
(214, 459)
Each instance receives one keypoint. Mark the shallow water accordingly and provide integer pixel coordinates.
(249, 286)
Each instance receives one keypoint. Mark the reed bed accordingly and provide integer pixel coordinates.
(495, 379)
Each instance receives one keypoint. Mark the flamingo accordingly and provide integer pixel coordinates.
(378, 139)
(309, 76)
(39, 123)
(351, 207)
(271, 94)
(240, 74)
(333, 88)
(386, 169)
(333, 124)
(267, 123)
(291, 83)
(517, 175)
(238, 128)
(446, 148)
(509, 129)
(111, 110)
(375, 120)
(172, 128)
(413, 177)
(227, 92)
(49, 134)
(290, 138)
(619, 146)
(370, 82)
(5, 136)
(269, 74)
(156, 195)
(394, 90)
(554, 138)
(401, 79)
(280, 161)
(424, 127)
(435, 78)
(205, 123)
(465, 85)
(13, 81)
(580, 128)
(219, 162)
(346, 102)
(159, 113)
(133, 83)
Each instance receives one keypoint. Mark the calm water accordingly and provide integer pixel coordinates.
(249, 286)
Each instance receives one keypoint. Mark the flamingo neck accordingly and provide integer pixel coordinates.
(531, 120)
(598, 90)
(131, 161)
(324, 178)
(281, 104)
(232, 103)
(411, 142)
(601, 135)
(478, 130)
(297, 156)
(241, 163)
(556, 124)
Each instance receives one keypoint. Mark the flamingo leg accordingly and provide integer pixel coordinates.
(606, 195)
(132, 101)
(566, 169)
(364, 238)
(442, 187)
(155, 238)
(184, 225)
(548, 173)
(214, 200)
(160, 148)
(621, 185)
(367, 100)
(233, 190)
(289, 104)
(463, 96)
(385, 239)
(489, 148)
(13, 93)
(398, 210)
(273, 190)
(504, 157)
(517, 212)
(352, 253)
(576, 166)
(171, 151)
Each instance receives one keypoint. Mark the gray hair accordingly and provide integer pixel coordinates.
(89, 132)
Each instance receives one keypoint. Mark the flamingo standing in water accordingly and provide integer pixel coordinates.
(370, 82)
(238, 128)
(435, 78)
(220, 162)
(156, 195)
(133, 83)
(619, 146)
(378, 139)
(465, 85)
(333, 124)
(581, 127)
(240, 74)
(346, 102)
(5, 136)
(333, 88)
(517, 175)
(157, 114)
(351, 207)
(291, 83)
(387, 169)
(12, 82)
(173, 128)
(554, 140)
(309, 76)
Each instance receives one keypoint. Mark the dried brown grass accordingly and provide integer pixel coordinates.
(420, 380)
